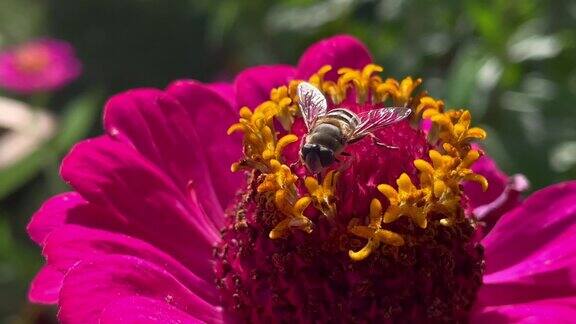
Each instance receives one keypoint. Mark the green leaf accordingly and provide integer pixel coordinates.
(79, 115)
(462, 77)
(21, 172)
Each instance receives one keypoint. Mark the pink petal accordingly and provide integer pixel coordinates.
(46, 285)
(66, 208)
(225, 90)
(252, 86)
(114, 176)
(509, 198)
(69, 208)
(211, 116)
(530, 252)
(496, 182)
(51, 215)
(162, 131)
(338, 51)
(72, 243)
(93, 285)
(546, 311)
(503, 192)
(137, 310)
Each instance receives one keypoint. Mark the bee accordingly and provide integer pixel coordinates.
(330, 131)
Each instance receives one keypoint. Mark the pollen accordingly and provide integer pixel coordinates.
(362, 80)
(400, 92)
(446, 172)
(368, 85)
(260, 140)
(279, 178)
(286, 107)
(279, 184)
(454, 128)
(295, 216)
(410, 201)
(323, 196)
(336, 91)
(373, 232)
(428, 103)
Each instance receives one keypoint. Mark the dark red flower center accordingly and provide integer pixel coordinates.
(310, 278)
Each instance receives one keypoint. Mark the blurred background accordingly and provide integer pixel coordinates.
(511, 62)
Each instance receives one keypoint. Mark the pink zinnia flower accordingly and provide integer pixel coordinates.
(38, 66)
(159, 230)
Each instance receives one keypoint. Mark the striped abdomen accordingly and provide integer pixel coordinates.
(333, 129)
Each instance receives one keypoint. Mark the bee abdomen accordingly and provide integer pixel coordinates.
(327, 135)
(344, 115)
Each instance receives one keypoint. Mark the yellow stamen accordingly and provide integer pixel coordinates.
(281, 177)
(323, 195)
(429, 103)
(286, 107)
(333, 90)
(317, 79)
(295, 217)
(373, 233)
(282, 143)
(407, 201)
(260, 142)
(361, 80)
(401, 92)
(454, 128)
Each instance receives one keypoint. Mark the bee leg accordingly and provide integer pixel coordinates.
(378, 143)
(345, 154)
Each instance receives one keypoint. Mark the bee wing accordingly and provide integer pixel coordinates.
(312, 103)
(375, 119)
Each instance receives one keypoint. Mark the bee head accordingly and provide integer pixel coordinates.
(317, 157)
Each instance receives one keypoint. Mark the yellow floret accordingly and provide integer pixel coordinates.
(454, 128)
(373, 233)
(400, 92)
(295, 216)
(362, 80)
(323, 195)
(408, 201)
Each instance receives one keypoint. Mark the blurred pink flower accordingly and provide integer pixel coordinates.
(135, 242)
(38, 66)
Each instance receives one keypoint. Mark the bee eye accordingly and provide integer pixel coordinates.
(308, 148)
(326, 156)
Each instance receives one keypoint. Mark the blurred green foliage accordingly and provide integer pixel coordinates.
(511, 62)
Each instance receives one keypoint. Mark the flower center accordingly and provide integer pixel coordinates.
(31, 58)
(381, 234)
